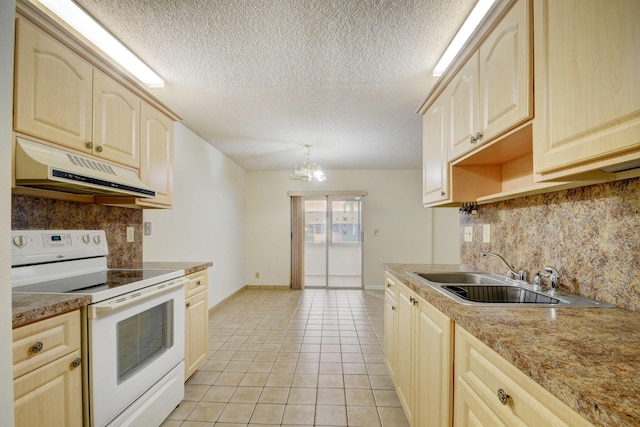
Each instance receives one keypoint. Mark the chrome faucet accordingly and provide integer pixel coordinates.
(511, 273)
(554, 278)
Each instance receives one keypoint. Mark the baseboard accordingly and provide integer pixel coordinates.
(267, 288)
(374, 288)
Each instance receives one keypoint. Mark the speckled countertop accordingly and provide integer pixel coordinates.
(28, 308)
(587, 357)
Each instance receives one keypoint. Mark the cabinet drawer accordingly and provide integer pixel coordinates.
(482, 370)
(391, 285)
(197, 283)
(39, 343)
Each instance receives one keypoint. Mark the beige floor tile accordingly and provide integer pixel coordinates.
(307, 368)
(182, 411)
(299, 415)
(359, 397)
(381, 382)
(194, 392)
(267, 414)
(274, 395)
(357, 381)
(376, 369)
(237, 366)
(204, 377)
(352, 358)
(373, 358)
(330, 380)
(244, 355)
(279, 380)
(219, 393)
(363, 416)
(254, 379)
(330, 357)
(330, 396)
(305, 380)
(331, 415)
(287, 357)
(237, 413)
(169, 423)
(392, 417)
(246, 395)
(265, 356)
(262, 366)
(354, 368)
(386, 398)
(206, 411)
(229, 378)
(302, 396)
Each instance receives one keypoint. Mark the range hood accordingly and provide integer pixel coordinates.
(42, 166)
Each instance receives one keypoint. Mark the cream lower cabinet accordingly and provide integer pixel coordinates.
(587, 87)
(47, 381)
(489, 391)
(196, 322)
(424, 361)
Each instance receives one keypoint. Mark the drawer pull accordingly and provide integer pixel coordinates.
(393, 308)
(99, 149)
(89, 145)
(37, 347)
(76, 362)
(503, 397)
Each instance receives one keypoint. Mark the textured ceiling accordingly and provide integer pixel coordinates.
(258, 79)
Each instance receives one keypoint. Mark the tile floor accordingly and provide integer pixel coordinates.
(303, 358)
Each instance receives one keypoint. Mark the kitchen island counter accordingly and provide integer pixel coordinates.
(589, 358)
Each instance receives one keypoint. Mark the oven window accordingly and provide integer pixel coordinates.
(144, 337)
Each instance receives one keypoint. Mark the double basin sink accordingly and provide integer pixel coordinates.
(474, 288)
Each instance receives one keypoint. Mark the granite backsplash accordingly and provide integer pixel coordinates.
(47, 214)
(590, 234)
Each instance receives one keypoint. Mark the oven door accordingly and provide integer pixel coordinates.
(134, 340)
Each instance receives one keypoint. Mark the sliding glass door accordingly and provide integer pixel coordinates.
(333, 242)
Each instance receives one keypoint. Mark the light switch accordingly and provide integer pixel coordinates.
(130, 234)
(468, 234)
(486, 233)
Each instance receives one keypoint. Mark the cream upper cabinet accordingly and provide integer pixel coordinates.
(116, 121)
(463, 107)
(53, 89)
(587, 68)
(489, 391)
(435, 168)
(505, 74)
(491, 93)
(156, 165)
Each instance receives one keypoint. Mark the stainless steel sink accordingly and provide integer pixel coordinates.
(479, 288)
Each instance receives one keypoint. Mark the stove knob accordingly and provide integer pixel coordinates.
(86, 238)
(20, 241)
(96, 239)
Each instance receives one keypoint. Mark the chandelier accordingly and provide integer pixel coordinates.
(307, 171)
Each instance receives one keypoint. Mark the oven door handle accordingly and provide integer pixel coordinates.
(94, 311)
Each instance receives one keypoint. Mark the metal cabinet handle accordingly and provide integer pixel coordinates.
(479, 136)
(99, 148)
(89, 145)
(412, 300)
(503, 397)
(443, 193)
(473, 140)
(393, 308)
(76, 362)
(37, 347)
(188, 304)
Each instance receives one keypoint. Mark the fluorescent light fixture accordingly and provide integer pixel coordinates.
(80, 21)
(470, 24)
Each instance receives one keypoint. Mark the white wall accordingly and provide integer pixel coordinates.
(6, 95)
(207, 222)
(393, 206)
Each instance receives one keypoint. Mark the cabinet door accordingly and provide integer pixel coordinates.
(435, 167)
(505, 74)
(197, 327)
(587, 85)
(156, 163)
(404, 371)
(462, 94)
(52, 89)
(390, 330)
(433, 367)
(116, 121)
(50, 395)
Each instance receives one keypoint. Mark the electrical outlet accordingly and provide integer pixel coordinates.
(147, 229)
(468, 234)
(257, 274)
(486, 233)
(131, 234)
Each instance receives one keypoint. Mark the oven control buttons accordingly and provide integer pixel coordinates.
(96, 239)
(20, 241)
(86, 238)
(89, 238)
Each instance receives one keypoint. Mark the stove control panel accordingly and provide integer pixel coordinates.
(41, 246)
